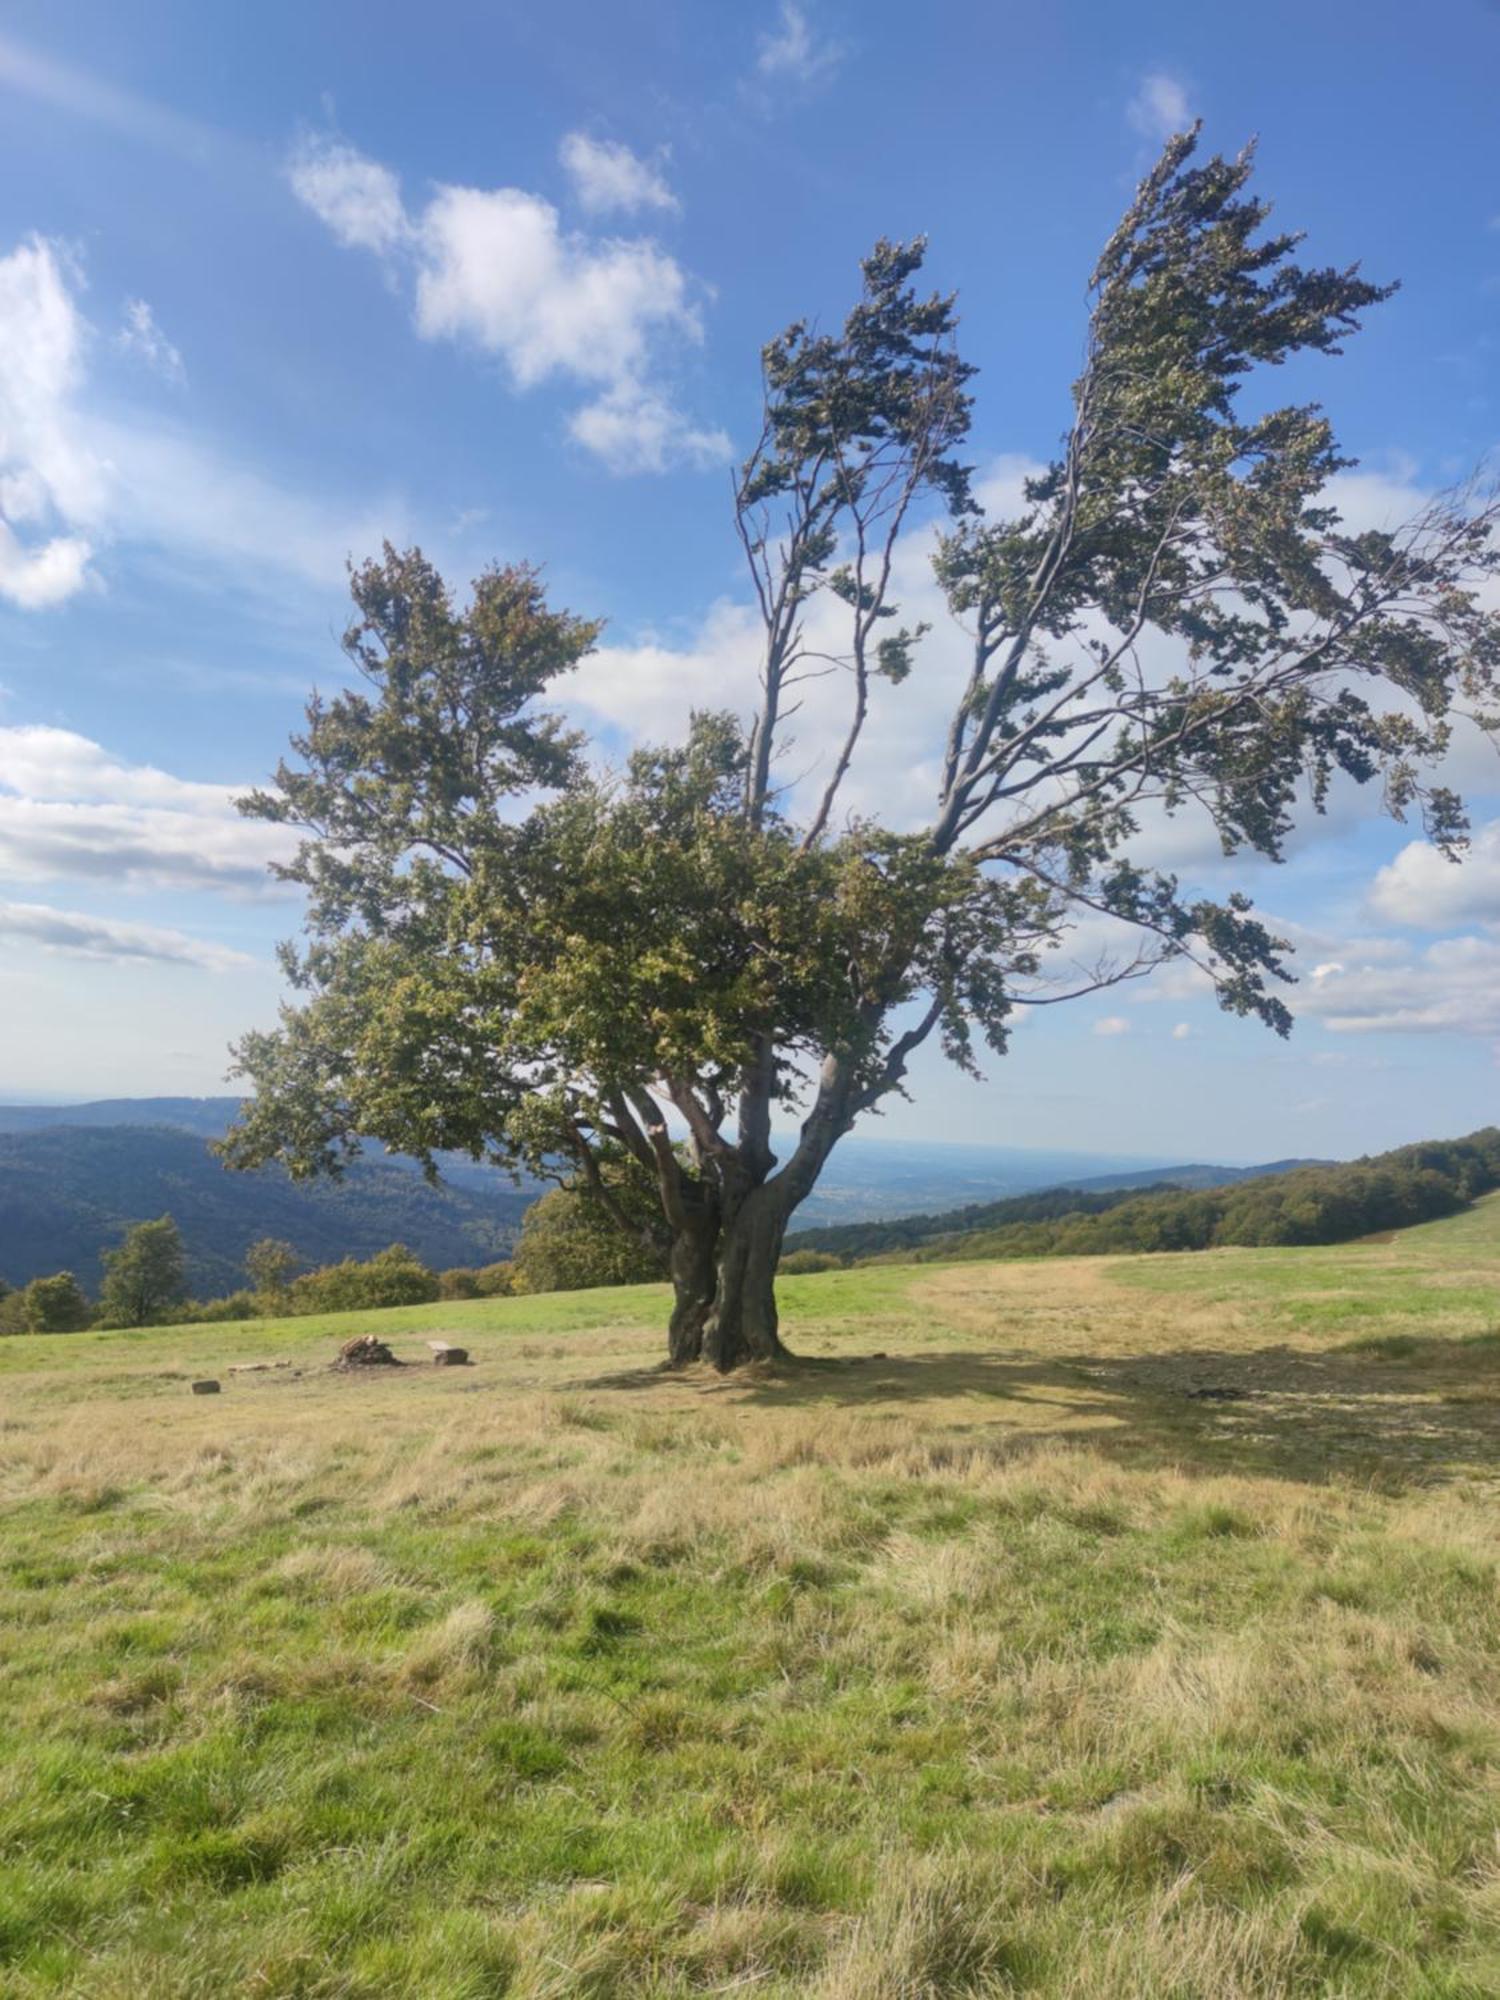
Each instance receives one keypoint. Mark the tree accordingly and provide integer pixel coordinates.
(515, 955)
(55, 1305)
(143, 1278)
(570, 1241)
(271, 1265)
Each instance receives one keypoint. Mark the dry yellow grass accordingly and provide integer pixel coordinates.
(978, 1654)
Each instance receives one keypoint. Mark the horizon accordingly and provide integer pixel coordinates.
(225, 367)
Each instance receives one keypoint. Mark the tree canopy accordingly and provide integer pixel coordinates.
(626, 977)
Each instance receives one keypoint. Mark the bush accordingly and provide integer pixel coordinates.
(395, 1277)
(238, 1305)
(570, 1243)
(458, 1284)
(55, 1305)
(496, 1281)
(802, 1263)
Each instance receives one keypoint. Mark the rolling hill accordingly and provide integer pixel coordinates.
(69, 1191)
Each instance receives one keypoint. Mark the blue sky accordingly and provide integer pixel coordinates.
(278, 281)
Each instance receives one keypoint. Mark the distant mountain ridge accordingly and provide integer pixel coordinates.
(67, 1192)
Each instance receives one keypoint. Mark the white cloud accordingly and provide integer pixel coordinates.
(74, 479)
(1453, 987)
(109, 940)
(638, 430)
(51, 484)
(793, 52)
(609, 179)
(140, 335)
(495, 269)
(1182, 1032)
(69, 811)
(1160, 107)
(358, 199)
(1421, 887)
(1112, 1024)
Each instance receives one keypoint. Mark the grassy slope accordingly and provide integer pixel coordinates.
(1003, 1662)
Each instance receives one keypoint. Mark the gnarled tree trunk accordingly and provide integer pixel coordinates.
(694, 1274)
(743, 1323)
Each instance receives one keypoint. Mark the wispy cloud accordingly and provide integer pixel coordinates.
(608, 179)
(1160, 106)
(81, 95)
(493, 268)
(140, 335)
(794, 51)
(110, 940)
(75, 479)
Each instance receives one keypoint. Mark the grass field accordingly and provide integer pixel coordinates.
(1094, 1629)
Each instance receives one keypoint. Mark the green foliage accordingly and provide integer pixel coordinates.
(458, 1284)
(496, 1281)
(55, 1305)
(144, 1277)
(393, 1278)
(570, 1242)
(271, 1265)
(802, 1263)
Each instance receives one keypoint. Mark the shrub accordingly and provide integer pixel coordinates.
(55, 1305)
(802, 1263)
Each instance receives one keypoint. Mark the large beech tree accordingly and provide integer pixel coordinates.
(631, 980)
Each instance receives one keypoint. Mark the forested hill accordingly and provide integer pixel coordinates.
(66, 1192)
(1309, 1205)
(1088, 1196)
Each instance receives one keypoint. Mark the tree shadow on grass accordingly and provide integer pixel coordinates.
(1393, 1414)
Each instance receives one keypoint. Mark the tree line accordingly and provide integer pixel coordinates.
(1309, 1205)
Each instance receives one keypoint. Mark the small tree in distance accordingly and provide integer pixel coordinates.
(55, 1305)
(144, 1277)
(271, 1265)
(626, 981)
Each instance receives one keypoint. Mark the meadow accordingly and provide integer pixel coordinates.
(1094, 1628)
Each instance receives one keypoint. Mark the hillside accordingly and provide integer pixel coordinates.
(1088, 1195)
(1078, 1629)
(66, 1192)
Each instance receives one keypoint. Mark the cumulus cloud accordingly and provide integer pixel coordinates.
(1451, 987)
(1112, 1024)
(1159, 107)
(794, 52)
(495, 269)
(110, 940)
(140, 335)
(609, 179)
(70, 811)
(1421, 887)
(1182, 1032)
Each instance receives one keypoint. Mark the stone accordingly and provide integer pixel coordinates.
(206, 1388)
(444, 1356)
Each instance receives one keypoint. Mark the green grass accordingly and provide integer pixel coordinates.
(1097, 1628)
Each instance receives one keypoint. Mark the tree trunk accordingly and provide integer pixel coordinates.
(742, 1325)
(694, 1283)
